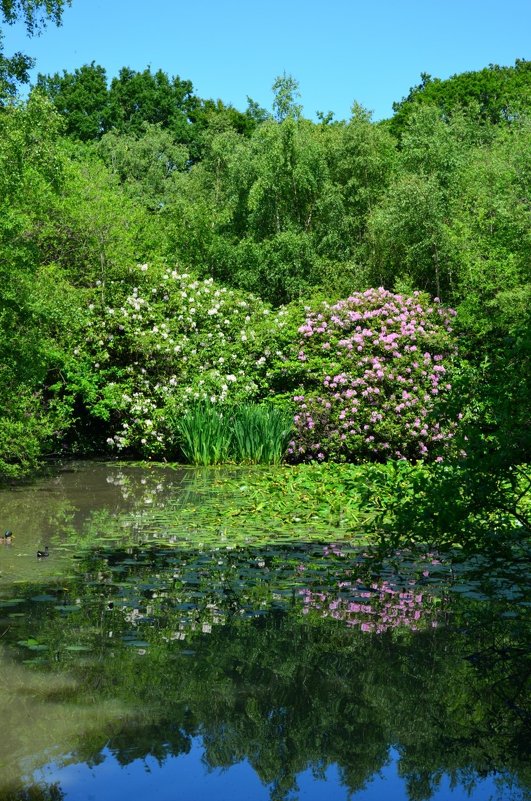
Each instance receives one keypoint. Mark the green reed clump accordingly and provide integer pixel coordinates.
(249, 434)
(260, 434)
(205, 435)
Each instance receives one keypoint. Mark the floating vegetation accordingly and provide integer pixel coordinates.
(150, 593)
(271, 621)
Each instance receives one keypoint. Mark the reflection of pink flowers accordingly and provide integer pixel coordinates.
(388, 608)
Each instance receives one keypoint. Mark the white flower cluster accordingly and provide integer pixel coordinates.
(171, 341)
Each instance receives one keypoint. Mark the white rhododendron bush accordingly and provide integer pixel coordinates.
(173, 341)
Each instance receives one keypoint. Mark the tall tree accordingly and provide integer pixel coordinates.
(286, 89)
(497, 93)
(146, 165)
(35, 14)
(153, 97)
(81, 97)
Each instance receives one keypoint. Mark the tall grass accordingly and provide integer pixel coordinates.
(249, 434)
(260, 434)
(204, 435)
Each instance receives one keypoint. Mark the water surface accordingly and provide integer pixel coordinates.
(141, 658)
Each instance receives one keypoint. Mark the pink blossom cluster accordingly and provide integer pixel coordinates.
(376, 610)
(377, 378)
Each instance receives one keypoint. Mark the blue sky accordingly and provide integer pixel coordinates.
(338, 50)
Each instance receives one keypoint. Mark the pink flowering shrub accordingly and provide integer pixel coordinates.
(375, 379)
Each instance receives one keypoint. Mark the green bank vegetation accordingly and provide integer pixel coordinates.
(171, 265)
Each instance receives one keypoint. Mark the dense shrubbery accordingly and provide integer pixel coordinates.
(97, 356)
(367, 377)
(170, 342)
(375, 379)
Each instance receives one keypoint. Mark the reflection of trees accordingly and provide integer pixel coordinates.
(87, 497)
(37, 792)
(318, 698)
(289, 693)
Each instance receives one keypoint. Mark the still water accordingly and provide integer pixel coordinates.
(142, 659)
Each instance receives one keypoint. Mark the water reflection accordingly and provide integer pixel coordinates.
(237, 783)
(290, 662)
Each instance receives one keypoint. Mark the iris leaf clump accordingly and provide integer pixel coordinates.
(249, 434)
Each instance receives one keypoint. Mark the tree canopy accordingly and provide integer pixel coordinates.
(35, 14)
(139, 170)
(497, 93)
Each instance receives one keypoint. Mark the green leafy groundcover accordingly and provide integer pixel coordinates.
(394, 504)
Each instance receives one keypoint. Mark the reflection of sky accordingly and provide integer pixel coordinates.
(185, 778)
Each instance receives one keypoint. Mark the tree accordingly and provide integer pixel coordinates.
(498, 93)
(362, 158)
(94, 230)
(408, 232)
(146, 165)
(139, 97)
(491, 224)
(35, 14)
(286, 90)
(31, 177)
(82, 98)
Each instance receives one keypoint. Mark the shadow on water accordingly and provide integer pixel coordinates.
(293, 660)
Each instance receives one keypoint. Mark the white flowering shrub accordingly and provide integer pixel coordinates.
(172, 340)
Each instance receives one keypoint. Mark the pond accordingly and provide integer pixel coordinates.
(143, 659)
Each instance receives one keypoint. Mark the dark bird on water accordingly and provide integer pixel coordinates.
(42, 554)
(7, 536)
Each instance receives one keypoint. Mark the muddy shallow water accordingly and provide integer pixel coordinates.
(138, 661)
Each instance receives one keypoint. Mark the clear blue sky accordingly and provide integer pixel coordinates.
(338, 50)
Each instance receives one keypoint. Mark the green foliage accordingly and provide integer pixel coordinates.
(22, 433)
(81, 98)
(391, 505)
(286, 90)
(136, 98)
(13, 71)
(133, 99)
(95, 229)
(146, 164)
(137, 101)
(205, 435)
(246, 434)
(406, 236)
(280, 207)
(284, 205)
(31, 175)
(498, 93)
(35, 14)
(260, 434)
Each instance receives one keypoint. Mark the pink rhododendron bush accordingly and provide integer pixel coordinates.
(376, 383)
